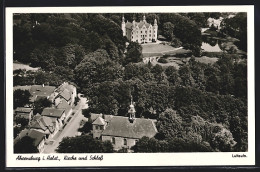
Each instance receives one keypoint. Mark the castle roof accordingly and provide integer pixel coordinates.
(122, 127)
(140, 24)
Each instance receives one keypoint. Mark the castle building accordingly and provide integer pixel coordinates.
(141, 32)
(123, 132)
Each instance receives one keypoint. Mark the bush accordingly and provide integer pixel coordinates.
(162, 60)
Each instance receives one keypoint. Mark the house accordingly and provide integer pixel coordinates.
(39, 138)
(58, 115)
(123, 132)
(65, 106)
(67, 92)
(23, 112)
(41, 91)
(141, 32)
(44, 124)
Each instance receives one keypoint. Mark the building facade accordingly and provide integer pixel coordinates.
(141, 32)
(122, 132)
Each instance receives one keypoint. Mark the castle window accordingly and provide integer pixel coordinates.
(150, 35)
(125, 142)
(96, 127)
(113, 140)
(150, 31)
(101, 127)
(141, 31)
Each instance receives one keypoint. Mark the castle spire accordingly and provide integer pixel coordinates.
(123, 19)
(144, 18)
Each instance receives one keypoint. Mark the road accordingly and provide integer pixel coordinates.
(71, 129)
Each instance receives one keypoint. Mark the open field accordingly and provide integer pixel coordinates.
(157, 49)
(17, 66)
(178, 62)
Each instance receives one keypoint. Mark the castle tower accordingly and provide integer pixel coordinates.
(123, 25)
(144, 18)
(131, 111)
(155, 29)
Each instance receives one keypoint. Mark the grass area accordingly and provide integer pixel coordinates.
(157, 49)
(17, 66)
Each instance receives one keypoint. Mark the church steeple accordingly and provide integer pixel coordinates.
(131, 111)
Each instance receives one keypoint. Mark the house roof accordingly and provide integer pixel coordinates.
(40, 90)
(64, 105)
(66, 94)
(99, 121)
(122, 127)
(34, 134)
(52, 112)
(43, 122)
(25, 87)
(23, 110)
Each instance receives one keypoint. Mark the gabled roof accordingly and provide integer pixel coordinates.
(52, 112)
(94, 116)
(99, 121)
(34, 134)
(122, 127)
(23, 110)
(40, 90)
(66, 94)
(43, 123)
(64, 105)
(25, 87)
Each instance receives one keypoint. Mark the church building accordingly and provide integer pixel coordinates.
(123, 132)
(141, 32)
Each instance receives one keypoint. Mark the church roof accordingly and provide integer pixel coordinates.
(99, 121)
(122, 127)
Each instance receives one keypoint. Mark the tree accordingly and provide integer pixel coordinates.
(87, 127)
(25, 145)
(40, 104)
(167, 31)
(21, 98)
(169, 124)
(83, 144)
(134, 53)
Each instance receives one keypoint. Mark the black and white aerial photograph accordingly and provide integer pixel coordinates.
(130, 82)
(130, 86)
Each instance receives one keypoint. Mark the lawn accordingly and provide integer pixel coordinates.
(17, 66)
(157, 49)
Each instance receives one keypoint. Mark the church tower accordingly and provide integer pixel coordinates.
(131, 111)
(123, 25)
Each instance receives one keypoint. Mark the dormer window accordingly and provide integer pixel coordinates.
(125, 142)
